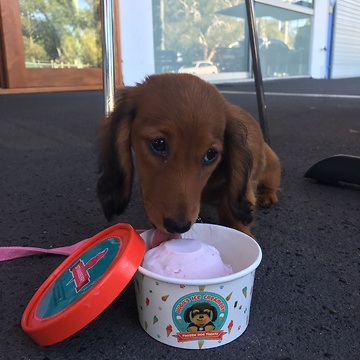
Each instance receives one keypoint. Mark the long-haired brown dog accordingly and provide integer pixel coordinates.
(188, 145)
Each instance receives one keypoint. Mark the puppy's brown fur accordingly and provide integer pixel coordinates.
(188, 145)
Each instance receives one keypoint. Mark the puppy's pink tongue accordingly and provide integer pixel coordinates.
(161, 236)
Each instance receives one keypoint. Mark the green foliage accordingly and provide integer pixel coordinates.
(194, 28)
(34, 51)
(61, 32)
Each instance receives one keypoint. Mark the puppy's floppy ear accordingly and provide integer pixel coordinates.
(116, 167)
(214, 313)
(238, 165)
(187, 314)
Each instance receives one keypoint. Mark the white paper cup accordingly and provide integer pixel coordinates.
(200, 314)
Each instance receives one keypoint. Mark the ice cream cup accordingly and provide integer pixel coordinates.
(200, 314)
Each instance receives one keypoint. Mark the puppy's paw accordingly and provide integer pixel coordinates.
(266, 197)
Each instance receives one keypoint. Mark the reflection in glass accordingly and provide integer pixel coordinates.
(188, 32)
(284, 47)
(61, 33)
(306, 3)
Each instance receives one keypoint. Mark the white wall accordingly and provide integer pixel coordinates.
(319, 40)
(346, 44)
(136, 32)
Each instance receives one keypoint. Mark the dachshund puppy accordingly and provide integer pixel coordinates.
(188, 146)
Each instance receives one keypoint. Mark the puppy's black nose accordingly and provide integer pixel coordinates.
(176, 227)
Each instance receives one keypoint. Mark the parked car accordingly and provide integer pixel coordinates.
(229, 59)
(200, 67)
(273, 56)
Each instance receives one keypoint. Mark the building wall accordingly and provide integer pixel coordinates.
(136, 33)
(319, 40)
(345, 59)
(137, 43)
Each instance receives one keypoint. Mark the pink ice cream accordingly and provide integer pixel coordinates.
(186, 259)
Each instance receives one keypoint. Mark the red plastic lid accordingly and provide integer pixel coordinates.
(83, 285)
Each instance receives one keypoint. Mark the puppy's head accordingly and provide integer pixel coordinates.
(200, 314)
(174, 124)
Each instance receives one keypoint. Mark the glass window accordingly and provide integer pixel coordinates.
(284, 43)
(306, 3)
(190, 31)
(215, 31)
(61, 34)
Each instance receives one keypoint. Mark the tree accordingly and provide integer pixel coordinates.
(66, 32)
(194, 28)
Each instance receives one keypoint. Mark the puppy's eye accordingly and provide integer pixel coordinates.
(158, 146)
(210, 156)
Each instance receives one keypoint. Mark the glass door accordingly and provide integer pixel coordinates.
(51, 43)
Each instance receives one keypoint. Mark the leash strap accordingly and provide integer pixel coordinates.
(14, 252)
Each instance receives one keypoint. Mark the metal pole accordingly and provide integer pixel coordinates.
(108, 60)
(257, 69)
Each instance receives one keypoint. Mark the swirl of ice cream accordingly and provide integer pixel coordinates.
(186, 259)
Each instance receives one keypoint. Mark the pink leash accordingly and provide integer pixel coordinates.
(13, 252)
